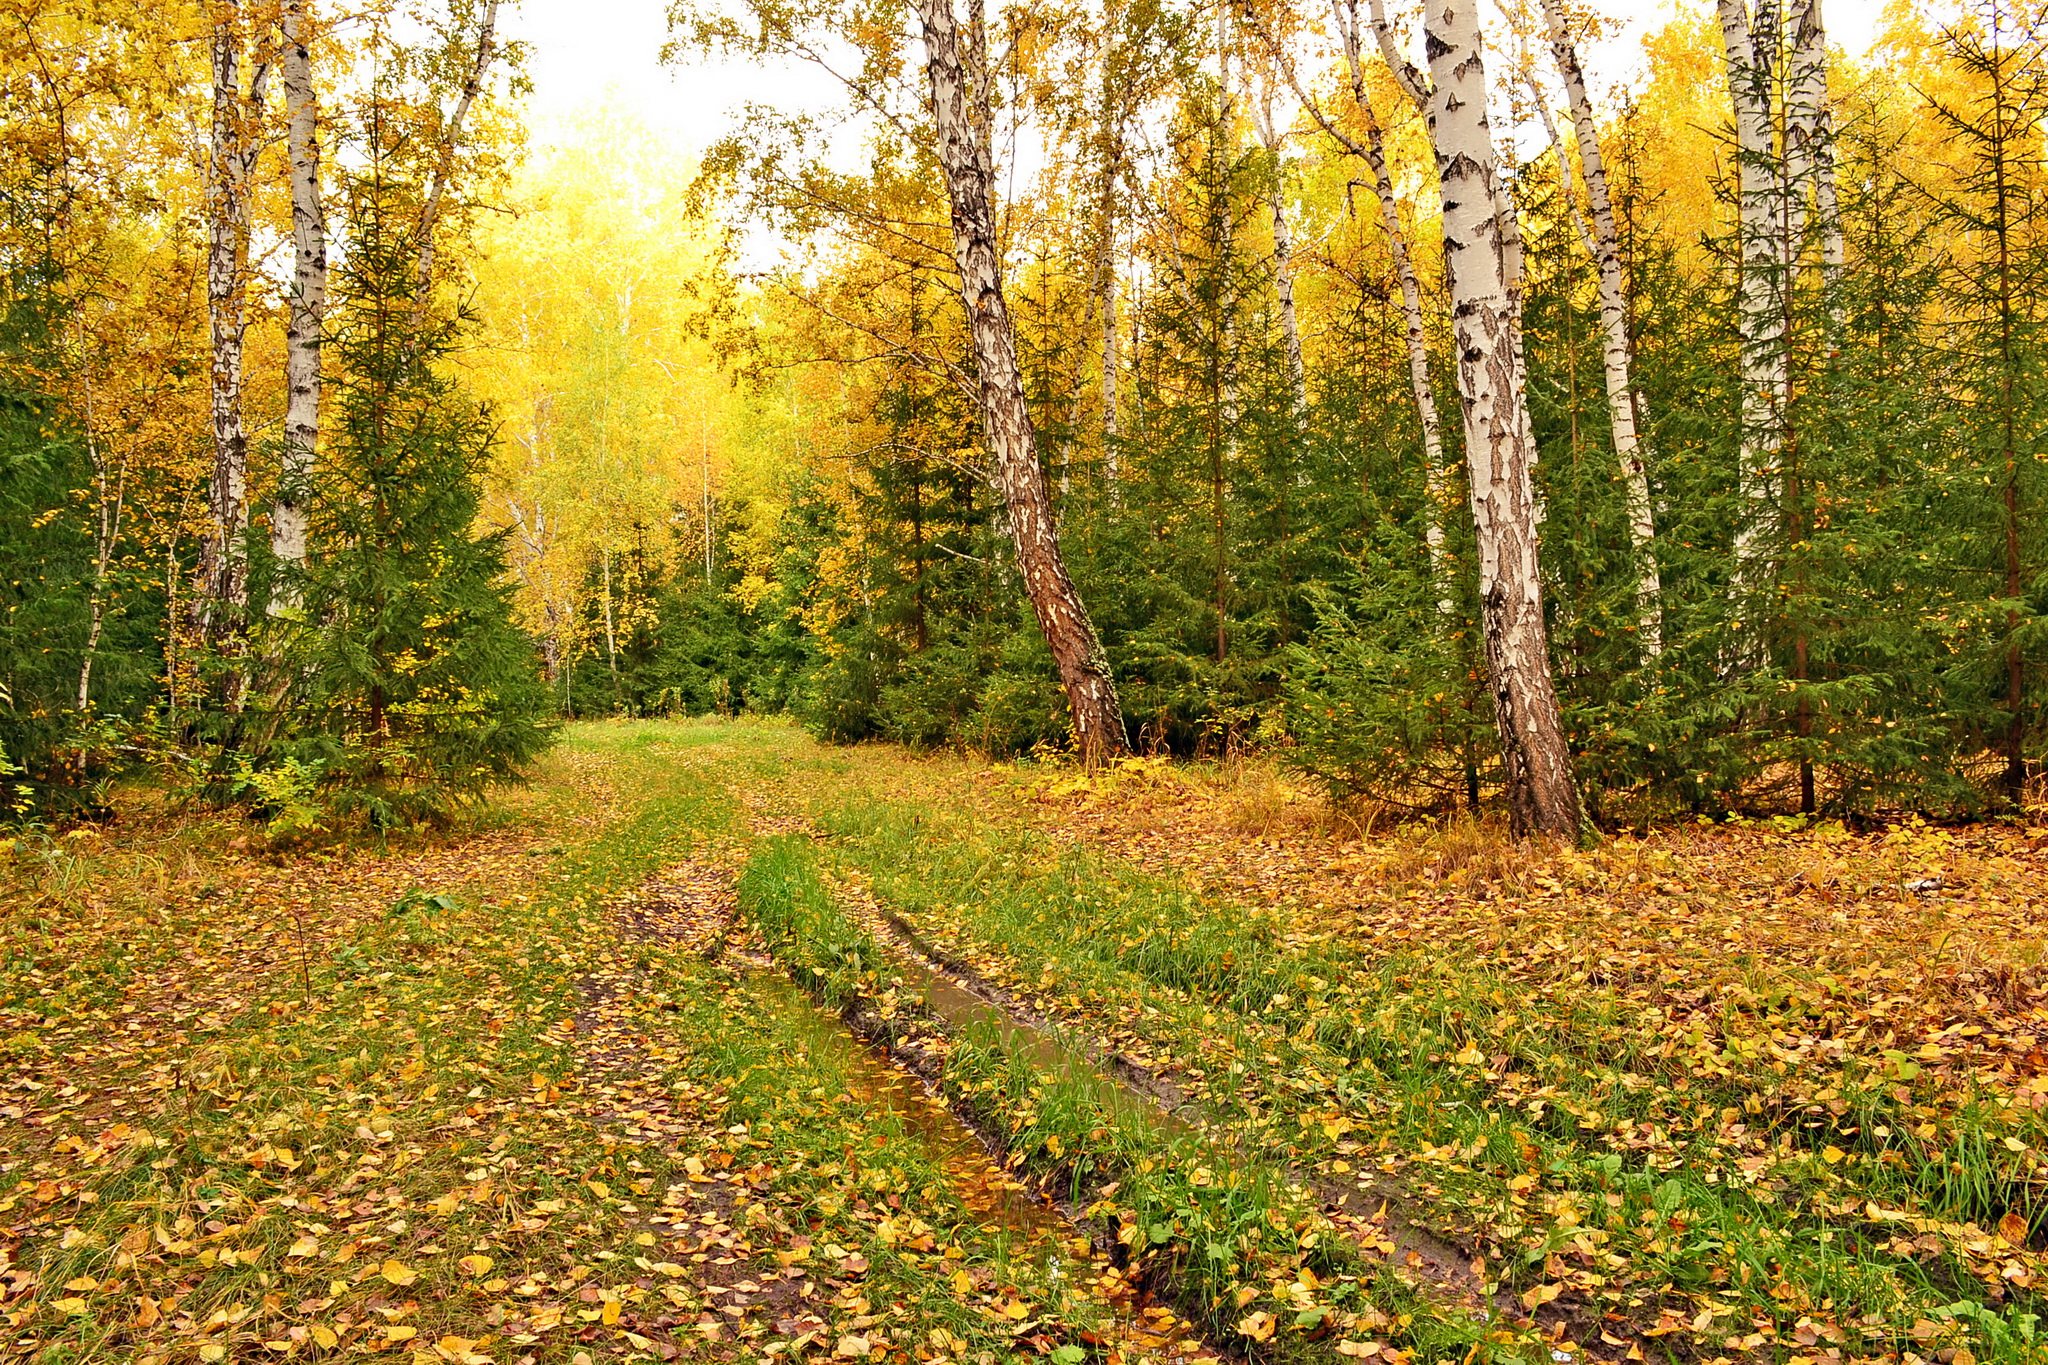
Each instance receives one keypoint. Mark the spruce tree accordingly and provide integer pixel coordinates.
(413, 690)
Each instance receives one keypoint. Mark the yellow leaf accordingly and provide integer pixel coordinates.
(400, 1333)
(1832, 1154)
(963, 1283)
(1471, 1056)
(72, 1305)
(611, 1312)
(213, 1351)
(1540, 1295)
(598, 1188)
(84, 1284)
(1360, 1349)
(400, 1275)
(1257, 1326)
(853, 1348)
(2013, 1229)
(307, 1245)
(1017, 1310)
(476, 1265)
(323, 1336)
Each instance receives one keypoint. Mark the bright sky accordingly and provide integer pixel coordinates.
(582, 48)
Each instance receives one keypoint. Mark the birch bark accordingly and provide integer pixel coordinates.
(220, 603)
(304, 327)
(1809, 155)
(1617, 355)
(1373, 152)
(1500, 448)
(963, 153)
(1283, 262)
(1751, 49)
(1112, 132)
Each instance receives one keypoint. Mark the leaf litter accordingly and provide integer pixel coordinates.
(1741, 1091)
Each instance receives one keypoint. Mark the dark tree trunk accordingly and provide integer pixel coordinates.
(1076, 650)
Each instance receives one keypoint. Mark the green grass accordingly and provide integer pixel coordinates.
(1563, 1135)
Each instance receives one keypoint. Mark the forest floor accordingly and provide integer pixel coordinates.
(717, 1044)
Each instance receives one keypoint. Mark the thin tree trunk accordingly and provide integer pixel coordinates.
(611, 639)
(444, 166)
(1112, 133)
(1617, 354)
(1752, 59)
(108, 507)
(963, 153)
(304, 327)
(1111, 469)
(1542, 794)
(1810, 122)
(1283, 264)
(1415, 337)
(221, 597)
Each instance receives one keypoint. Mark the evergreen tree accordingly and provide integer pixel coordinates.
(411, 691)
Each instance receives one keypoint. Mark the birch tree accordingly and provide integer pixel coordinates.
(1283, 258)
(1616, 353)
(969, 171)
(308, 307)
(1751, 47)
(1500, 447)
(221, 600)
(1414, 336)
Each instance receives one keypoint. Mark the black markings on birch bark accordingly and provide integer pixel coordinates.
(1616, 354)
(308, 306)
(1500, 448)
(963, 154)
(221, 598)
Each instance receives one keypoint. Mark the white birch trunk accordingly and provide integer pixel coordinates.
(1283, 264)
(1616, 354)
(1069, 634)
(1500, 448)
(1752, 57)
(1415, 337)
(1810, 156)
(1105, 270)
(221, 600)
(305, 325)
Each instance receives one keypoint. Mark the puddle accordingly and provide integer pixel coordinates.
(692, 905)
(998, 1201)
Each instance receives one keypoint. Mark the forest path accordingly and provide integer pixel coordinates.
(483, 1096)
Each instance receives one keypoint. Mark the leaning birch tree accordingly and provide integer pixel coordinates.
(1500, 445)
(963, 154)
(1617, 357)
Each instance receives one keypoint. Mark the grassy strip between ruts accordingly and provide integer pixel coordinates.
(402, 1143)
(1218, 1229)
(1732, 1192)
